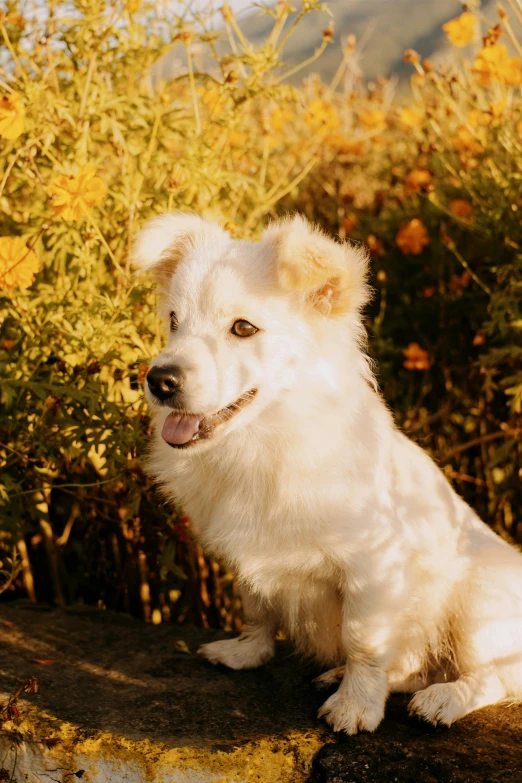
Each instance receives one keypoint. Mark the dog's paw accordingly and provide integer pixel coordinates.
(244, 652)
(351, 716)
(331, 677)
(438, 704)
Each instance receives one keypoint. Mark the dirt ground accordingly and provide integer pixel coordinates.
(112, 673)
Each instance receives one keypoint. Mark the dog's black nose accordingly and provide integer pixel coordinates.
(164, 382)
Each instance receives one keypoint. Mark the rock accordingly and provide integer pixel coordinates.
(123, 702)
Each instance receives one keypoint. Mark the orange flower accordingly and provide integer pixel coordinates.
(410, 117)
(458, 282)
(345, 146)
(12, 116)
(461, 30)
(75, 195)
(497, 108)
(349, 223)
(493, 64)
(321, 115)
(419, 180)
(465, 141)
(375, 245)
(373, 118)
(18, 263)
(142, 373)
(413, 237)
(16, 20)
(461, 208)
(411, 56)
(416, 358)
(479, 339)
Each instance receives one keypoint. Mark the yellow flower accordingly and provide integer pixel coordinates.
(411, 117)
(497, 108)
(76, 194)
(320, 114)
(18, 263)
(280, 119)
(477, 117)
(215, 100)
(461, 30)
(237, 139)
(374, 118)
(493, 63)
(416, 358)
(12, 116)
(413, 237)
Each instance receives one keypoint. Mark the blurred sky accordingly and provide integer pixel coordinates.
(236, 5)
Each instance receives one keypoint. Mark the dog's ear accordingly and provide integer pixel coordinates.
(163, 241)
(329, 275)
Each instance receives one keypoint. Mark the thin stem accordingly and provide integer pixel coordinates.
(61, 486)
(513, 37)
(309, 166)
(102, 239)
(290, 31)
(515, 11)
(466, 266)
(238, 32)
(13, 161)
(27, 574)
(318, 52)
(277, 29)
(338, 75)
(479, 441)
(193, 89)
(13, 53)
(85, 94)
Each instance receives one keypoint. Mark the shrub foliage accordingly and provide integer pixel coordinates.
(113, 111)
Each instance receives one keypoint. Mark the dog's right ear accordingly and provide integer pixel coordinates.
(163, 241)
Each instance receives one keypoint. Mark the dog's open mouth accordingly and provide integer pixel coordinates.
(181, 429)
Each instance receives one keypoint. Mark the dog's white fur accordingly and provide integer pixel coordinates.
(341, 531)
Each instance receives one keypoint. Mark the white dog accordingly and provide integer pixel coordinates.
(342, 532)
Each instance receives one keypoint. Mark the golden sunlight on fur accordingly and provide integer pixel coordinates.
(341, 531)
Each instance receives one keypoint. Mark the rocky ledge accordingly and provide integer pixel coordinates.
(119, 701)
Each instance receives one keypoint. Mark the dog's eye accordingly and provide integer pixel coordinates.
(243, 328)
(173, 322)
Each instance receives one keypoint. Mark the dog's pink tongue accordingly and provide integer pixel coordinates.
(179, 429)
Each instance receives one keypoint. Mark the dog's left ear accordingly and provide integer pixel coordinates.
(329, 275)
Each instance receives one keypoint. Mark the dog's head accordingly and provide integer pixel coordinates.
(245, 321)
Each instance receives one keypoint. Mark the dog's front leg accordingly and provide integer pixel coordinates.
(255, 646)
(366, 634)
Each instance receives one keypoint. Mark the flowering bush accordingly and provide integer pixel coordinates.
(434, 191)
(97, 135)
